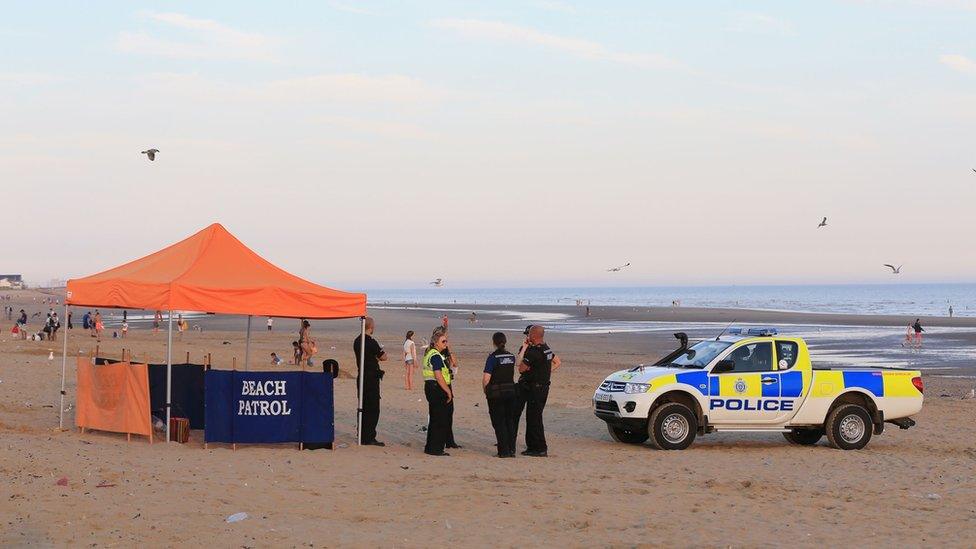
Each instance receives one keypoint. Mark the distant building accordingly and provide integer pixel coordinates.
(11, 282)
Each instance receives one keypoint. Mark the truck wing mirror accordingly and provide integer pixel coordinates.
(726, 365)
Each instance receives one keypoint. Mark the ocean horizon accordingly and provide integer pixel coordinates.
(928, 299)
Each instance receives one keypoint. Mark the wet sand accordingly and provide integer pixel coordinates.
(909, 487)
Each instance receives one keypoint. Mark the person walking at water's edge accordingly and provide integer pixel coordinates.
(409, 360)
(536, 364)
(917, 327)
(437, 389)
(498, 382)
(372, 374)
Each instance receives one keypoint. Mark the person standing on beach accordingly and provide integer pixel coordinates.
(437, 389)
(270, 324)
(370, 382)
(537, 363)
(950, 311)
(918, 332)
(157, 320)
(451, 361)
(307, 344)
(125, 328)
(409, 360)
(98, 326)
(498, 382)
(70, 325)
(86, 321)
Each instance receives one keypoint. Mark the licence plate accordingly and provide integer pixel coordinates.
(601, 397)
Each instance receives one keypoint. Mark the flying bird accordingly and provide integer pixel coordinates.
(617, 269)
(894, 270)
(822, 223)
(151, 153)
(437, 282)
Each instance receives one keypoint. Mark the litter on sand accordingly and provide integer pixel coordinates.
(63, 481)
(237, 517)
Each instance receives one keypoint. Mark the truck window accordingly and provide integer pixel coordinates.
(755, 357)
(786, 353)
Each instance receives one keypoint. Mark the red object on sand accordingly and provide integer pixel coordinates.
(63, 481)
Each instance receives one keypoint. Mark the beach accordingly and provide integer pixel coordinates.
(907, 488)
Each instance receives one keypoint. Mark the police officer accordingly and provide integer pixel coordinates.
(371, 383)
(499, 385)
(437, 389)
(536, 364)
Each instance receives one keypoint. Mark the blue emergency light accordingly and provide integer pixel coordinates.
(768, 331)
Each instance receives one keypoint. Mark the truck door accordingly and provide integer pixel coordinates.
(750, 393)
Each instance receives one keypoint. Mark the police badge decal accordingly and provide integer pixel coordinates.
(740, 386)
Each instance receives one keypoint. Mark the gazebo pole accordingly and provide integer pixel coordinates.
(247, 344)
(64, 362)
(169, 371)
(362, 368)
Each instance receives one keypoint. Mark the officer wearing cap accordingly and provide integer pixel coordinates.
(498, 381)
(536, 362)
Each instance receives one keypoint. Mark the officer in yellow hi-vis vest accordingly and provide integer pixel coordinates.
(437, 389)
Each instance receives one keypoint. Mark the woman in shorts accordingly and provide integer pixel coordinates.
(409, 360)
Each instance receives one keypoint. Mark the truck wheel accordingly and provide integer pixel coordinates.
(849, 427)
(625, 436)
(673, 426)
(804, 437)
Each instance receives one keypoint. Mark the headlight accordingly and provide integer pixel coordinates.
(632, 388)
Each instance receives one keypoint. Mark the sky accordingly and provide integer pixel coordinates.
(381, 144)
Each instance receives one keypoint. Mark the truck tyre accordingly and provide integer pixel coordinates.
(849, 427)
(804, 437)
(673, 426)
(627, 437)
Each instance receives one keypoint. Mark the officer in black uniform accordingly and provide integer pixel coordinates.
(371, 383)
(499, 384)
(451, 362)
(537, 363)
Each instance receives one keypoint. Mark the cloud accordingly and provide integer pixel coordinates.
(556, 5)
(201, 39)
(347, 88)
(585, 49)
(351, 8)
(760, 23)
(29, 78)
(958, 63)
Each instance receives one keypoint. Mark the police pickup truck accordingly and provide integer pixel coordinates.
(756, 381)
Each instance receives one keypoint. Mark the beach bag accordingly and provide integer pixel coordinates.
(179, 429)
(15, 329)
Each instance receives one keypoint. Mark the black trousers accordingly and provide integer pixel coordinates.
(449, 438)
(439, 411)
(504, 419)
(371, 410)
(532, 398)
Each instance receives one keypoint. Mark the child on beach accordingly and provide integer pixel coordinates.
(125, 328)
(298, 352)
(275, 360)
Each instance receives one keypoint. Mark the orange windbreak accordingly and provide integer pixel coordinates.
(113, 397)
(214, 272)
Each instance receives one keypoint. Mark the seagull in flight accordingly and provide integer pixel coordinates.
(151, 153)
(822, 223)
(894, 270)
(617, 269)
(437, 282)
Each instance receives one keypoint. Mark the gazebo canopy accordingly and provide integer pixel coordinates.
(214, 272)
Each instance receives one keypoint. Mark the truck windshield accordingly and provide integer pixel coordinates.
(700, 354)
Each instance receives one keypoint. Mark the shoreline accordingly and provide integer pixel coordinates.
(686, 314)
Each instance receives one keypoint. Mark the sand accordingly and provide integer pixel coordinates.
(907, 488)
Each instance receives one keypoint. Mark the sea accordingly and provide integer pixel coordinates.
(876, 299)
